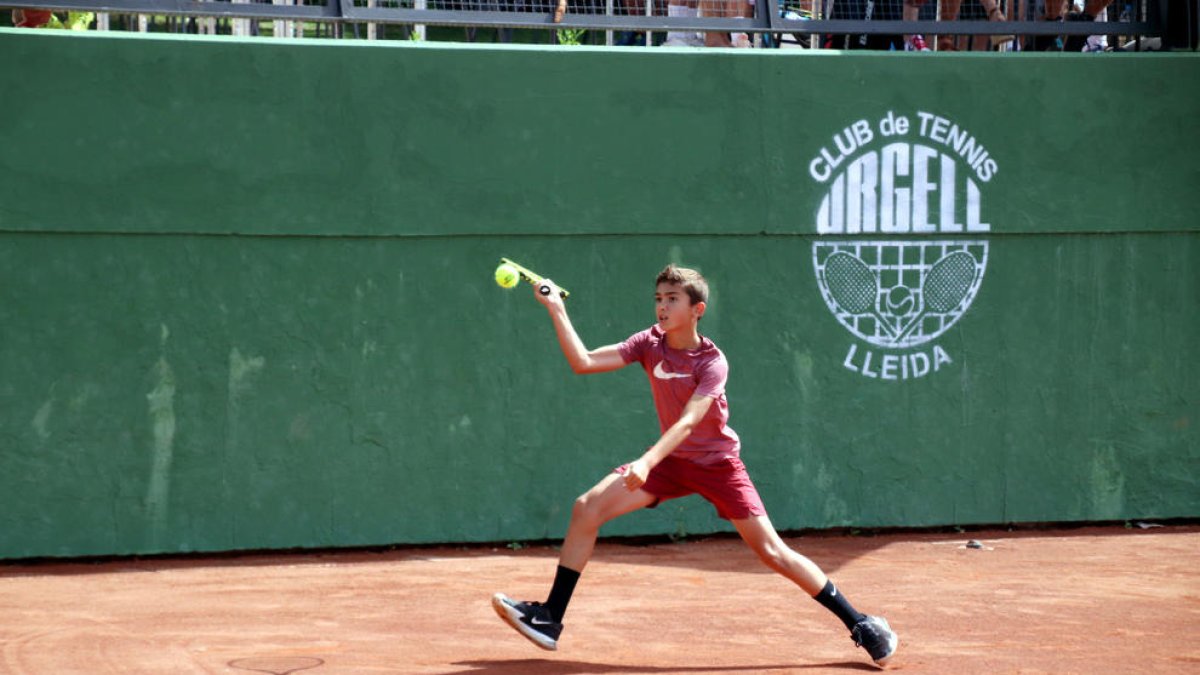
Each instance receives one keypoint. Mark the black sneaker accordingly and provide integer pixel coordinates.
(875, 635)
(530, 619)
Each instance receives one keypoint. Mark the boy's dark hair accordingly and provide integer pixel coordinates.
(690, 280)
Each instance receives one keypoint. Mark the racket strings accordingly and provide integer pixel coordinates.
(851, 283)
(949, 282)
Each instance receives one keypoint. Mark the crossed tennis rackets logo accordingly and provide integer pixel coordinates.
(909, 294)
(901, 293)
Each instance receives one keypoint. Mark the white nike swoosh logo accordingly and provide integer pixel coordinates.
(664, 375)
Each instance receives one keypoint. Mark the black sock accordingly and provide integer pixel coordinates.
(560, 593)
(832, 600)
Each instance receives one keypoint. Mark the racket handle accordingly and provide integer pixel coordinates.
(544, 289)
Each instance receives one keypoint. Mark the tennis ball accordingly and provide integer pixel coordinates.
(506, 276)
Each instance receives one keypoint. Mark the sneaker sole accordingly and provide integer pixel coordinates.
(513, 618)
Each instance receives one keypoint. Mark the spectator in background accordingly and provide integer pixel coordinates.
(733, 9)
(31, 18)
(868, 10)
(949, 12)
(730, 9)
(39, 18)
(1096, 43)
(912, 12)
(683, 9)
(638, 8)
(1054, 11)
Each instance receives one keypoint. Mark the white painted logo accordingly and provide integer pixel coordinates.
(915, 181)
(664, 375)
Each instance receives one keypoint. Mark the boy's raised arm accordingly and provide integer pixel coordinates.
(582, 359)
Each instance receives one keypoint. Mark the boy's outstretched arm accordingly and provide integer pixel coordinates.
(582, 359)
(697, 406)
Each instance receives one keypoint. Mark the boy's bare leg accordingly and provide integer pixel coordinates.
(541, 622)
(760, 535)
(607, 500)
(869, 632)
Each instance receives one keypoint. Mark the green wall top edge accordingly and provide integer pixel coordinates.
(563, 232)
(574, 49)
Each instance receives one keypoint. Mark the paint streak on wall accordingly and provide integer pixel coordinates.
(161, 401)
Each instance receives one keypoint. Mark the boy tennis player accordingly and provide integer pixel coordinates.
(697, 453)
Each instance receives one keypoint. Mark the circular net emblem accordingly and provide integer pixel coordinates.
(898, 294)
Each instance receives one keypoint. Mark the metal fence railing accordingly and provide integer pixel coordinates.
(1016, 25)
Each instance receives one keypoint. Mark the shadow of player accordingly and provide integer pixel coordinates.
(555, 667)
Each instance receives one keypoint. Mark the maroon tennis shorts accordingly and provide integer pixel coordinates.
(725, 484)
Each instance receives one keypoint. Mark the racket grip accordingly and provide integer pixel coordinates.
(544, 289)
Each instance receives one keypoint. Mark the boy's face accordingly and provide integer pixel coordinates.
(674, 309)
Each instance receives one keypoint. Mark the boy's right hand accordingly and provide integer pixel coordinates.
(551, 300)
(636, 474)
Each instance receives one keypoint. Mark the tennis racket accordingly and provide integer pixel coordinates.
(854, 286)
(946, 285)
(534, 278)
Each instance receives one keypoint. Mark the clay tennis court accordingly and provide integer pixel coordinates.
(1086, 600)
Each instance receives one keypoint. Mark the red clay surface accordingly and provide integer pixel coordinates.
(1091, 600)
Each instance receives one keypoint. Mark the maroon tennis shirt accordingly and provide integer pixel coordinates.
(676, 375)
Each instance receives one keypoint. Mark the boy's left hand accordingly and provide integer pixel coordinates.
(636, 474)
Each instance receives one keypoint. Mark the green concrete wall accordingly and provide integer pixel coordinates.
(246, 296)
